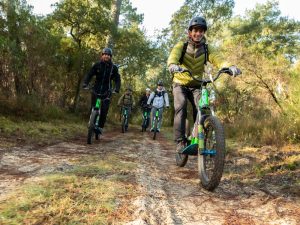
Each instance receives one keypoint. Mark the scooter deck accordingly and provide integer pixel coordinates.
(190, 150)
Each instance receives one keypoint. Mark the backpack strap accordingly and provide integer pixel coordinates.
(156, 94)
(206, 54)
(130, 98)
(163, 94)
(185, 45)
(124, 98)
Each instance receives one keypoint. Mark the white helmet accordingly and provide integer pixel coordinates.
(148, 89)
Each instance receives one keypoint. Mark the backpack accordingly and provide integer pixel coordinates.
(156, 94)
(185, 45)
(129, 98)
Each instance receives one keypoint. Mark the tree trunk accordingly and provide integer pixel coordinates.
(15, 48)
(115, 14)
(77, 93)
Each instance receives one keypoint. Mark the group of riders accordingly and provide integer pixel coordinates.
(149, 103)
(185, 58)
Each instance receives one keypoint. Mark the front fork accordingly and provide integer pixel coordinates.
(155, 118)
(198, 133)
(96, 124)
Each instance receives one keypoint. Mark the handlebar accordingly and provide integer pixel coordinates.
(108, 92)
(146, 106)
(206, 81)
(158, 108)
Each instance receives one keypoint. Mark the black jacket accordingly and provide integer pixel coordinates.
(105, 73)
(143, 101)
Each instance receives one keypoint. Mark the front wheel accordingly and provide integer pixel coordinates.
(91, 127)
(155, 128)
(181, 159)
(144, 124)
(211, 159)
(124, 124)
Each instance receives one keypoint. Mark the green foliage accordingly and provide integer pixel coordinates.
(44, 59)
(260, 103)
(130, 15)
(81, 19)
(216, 12)
(265, 31)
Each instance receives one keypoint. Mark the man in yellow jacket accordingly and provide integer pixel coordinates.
(193, 56)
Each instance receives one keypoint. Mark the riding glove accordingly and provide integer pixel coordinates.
(173, 68)
(234, 71)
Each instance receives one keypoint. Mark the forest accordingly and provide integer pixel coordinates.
(44, 59)
(50, 174)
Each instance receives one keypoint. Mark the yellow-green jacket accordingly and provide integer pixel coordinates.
(193, 61)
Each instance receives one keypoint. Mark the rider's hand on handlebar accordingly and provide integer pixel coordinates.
(175, 69)
(234, 71)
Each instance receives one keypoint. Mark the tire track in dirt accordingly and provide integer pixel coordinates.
(172, 195)
(166, 194)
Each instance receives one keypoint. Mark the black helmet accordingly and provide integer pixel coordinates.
(107, 51)
(198, 22)
(160, 83)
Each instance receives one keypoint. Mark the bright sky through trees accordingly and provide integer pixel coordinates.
(157, 13)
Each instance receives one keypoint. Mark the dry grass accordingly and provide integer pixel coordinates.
(40, 131)
(268, 165)
(94, 192)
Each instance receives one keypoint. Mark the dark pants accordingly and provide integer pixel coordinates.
(181, 95)
(105, 102)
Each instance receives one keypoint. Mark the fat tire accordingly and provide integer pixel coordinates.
(181, 159)
(144, 125)
(155, 129)
(91, 127)
(219, 159)
(123, 124)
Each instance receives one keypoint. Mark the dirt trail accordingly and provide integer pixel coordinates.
(168, 194)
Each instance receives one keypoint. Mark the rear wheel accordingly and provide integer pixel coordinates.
(181, 159)
(91, 127)
(211, 159)
(144, 124)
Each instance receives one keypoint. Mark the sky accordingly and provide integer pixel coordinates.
(157, 13)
